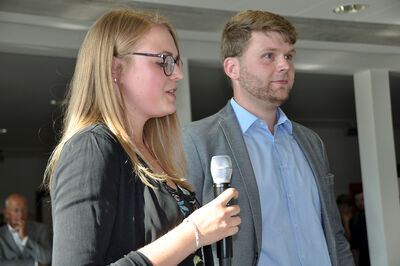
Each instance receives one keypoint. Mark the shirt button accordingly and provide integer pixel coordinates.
(296, 225)
(290, 195)
(302, 256)
(282, 165)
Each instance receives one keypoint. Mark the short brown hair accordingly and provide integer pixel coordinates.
(238, 29)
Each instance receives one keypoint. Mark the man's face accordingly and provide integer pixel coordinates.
(344, 208)
(16, 210)
(359, 201)
(266, 68)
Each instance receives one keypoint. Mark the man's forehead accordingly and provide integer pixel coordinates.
(16, 201)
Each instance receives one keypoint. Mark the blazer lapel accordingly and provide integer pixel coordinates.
(233, 134)
(307, 150)
(10, 240)
(316, 163)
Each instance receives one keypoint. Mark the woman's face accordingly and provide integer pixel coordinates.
(147, 91)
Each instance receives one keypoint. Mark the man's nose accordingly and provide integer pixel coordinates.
(283, 64)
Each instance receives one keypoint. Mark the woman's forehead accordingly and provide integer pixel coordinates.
(158, 40)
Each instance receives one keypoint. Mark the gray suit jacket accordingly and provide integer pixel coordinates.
(102, 212)
(220, 134)
(38, 246)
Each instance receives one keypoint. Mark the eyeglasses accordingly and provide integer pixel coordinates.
(168, 63)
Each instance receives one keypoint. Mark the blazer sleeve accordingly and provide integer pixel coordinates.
(85, 198)
(195, 169)
(40, 248)
(344, 255)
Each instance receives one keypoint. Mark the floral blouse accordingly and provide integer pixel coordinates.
(187, 203)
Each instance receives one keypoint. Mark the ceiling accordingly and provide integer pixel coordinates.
(40, 38)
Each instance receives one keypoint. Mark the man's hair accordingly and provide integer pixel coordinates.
(358, 191)
(7, 200)
(344, 199)
(238, 29)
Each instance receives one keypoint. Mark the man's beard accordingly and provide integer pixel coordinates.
(260, 90)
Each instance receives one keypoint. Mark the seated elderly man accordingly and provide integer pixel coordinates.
(23, 242)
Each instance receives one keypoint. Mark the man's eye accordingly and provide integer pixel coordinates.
(268, 56)
(289, 57)
(160, 64)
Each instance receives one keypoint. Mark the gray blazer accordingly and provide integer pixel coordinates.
(38, 246)
(102, 212)
(220, 134)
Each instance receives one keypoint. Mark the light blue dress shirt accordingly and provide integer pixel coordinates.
(20, 243)
(290, 206)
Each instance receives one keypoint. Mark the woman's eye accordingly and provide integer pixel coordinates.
(160, 64)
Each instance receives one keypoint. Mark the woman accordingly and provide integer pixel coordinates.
(116, 183)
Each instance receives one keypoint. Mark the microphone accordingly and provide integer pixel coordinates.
(221, 172)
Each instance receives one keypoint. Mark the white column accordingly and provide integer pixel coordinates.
(183, 96)
(378, 166)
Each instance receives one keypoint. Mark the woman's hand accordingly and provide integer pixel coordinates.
(215, 220)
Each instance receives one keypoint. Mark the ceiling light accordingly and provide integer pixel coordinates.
(349, 8)
(3, 130)
(55, 102)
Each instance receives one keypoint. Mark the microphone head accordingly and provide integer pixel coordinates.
(221, 169)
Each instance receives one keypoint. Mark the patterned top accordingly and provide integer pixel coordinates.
(187, 203)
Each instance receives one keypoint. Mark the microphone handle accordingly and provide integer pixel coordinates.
(224, 246)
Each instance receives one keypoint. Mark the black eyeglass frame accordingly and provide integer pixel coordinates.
(164, 57)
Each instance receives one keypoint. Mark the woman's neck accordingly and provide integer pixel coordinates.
(137, 132)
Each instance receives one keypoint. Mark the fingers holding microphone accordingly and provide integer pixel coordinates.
(230, 213)
(216, 220)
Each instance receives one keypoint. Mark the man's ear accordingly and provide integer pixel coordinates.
(5, 212)
(232, 67)
(116, 67)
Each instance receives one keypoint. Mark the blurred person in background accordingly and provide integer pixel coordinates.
(23, 242)
(345, 205)
(358, 227)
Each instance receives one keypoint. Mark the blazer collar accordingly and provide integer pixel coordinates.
(9, 239)
(233, 135)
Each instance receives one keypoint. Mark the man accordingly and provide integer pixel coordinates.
(359, 237)
(280, 168)
(22, 242)
(345, 203)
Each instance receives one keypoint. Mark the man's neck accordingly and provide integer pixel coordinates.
(261, 110)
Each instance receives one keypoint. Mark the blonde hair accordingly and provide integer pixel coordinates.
(92, 97)
(237, 31)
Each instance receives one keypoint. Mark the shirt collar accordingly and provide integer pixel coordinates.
(283, 121)
(10, 228)
(246, 119)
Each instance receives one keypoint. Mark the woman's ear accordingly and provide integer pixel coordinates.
(232, 67)
(116, 68)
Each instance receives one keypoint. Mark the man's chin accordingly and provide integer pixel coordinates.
(278, 101)
(281, 97)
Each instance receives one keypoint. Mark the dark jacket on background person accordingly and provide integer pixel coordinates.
(37, 248)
